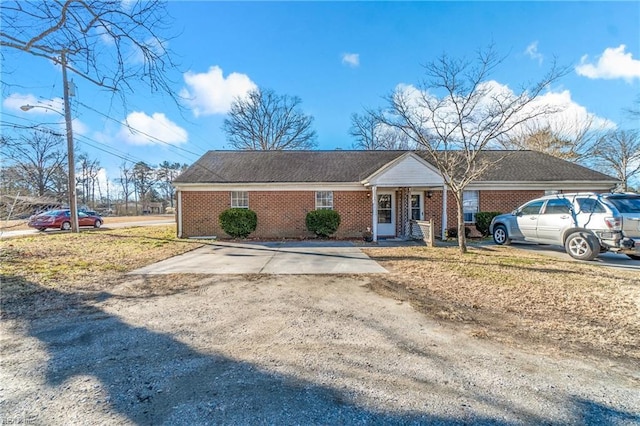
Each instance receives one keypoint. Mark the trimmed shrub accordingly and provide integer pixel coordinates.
(323, 222)
(238, 223)
(453, 232)
(483, 220)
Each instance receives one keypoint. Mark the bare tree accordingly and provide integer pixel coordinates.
(371, 134)
(37, 160)
(634, 111)
(265, 120)
(88, 178)
(571, 140)
(143, 181)
(126, 180)
(619, 151)
(109, 43)
(457, 112)
(166, 173)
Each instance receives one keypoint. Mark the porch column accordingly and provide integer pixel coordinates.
(407, 214)
(374, 215)
(444, 211)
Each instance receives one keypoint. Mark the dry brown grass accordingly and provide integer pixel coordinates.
(494, 292)
(521, 297)
(89, 260)
(20, 225)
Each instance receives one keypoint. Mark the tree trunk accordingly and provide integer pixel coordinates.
(462, 239)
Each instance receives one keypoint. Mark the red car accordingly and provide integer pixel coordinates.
(61, 219)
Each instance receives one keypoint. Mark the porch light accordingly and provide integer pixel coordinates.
(429, 194)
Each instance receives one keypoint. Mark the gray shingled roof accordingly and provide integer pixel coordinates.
(354, 166)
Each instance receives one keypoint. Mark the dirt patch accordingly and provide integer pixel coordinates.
(257, 349)
(83, 343)
(520, 297)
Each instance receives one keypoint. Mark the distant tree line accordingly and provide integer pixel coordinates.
(34, 167)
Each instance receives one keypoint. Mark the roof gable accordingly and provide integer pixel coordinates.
(407, 170)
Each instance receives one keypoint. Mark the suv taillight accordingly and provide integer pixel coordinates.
(614, 223)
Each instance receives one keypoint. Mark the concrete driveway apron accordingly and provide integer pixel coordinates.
(326, 257)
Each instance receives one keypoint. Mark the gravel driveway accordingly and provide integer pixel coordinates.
(276, 349)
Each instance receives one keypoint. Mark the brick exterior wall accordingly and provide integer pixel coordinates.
(281, 214)
(499, 201)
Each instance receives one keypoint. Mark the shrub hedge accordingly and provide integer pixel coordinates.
(453, 232)
(323, 222)
(483, 220)
(238, 223)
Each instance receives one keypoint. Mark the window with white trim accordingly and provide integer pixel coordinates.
(470, 205)
(324, 200)
(240, 199)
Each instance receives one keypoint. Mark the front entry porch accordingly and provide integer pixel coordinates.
(395, 208)
(398, 194)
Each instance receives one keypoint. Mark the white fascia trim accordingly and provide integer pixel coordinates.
(418, 186)
(297, 186)
(561, 184)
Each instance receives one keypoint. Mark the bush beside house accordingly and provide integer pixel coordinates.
(323, 223)
(483, 220)
(238, 223)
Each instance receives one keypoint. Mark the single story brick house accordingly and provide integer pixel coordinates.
(377, 190)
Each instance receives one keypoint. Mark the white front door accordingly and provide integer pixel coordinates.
(386, 214)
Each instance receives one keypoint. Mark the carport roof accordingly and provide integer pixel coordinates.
(355, 166)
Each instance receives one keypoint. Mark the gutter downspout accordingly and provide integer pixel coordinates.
(179, 212)
(444, 213)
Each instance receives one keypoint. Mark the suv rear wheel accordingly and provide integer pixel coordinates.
(582, 246)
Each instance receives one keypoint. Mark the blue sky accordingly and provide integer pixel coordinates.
(338, 57)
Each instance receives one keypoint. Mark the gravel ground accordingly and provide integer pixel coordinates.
(283, 350)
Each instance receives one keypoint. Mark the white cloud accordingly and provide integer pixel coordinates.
(142, 129)
(105, 36)
(612, 64)
(351, 59)
(211, 93)
(568, 121)
(571, 118)
(532, 52)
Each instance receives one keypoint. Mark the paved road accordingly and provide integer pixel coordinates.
(605, 259)
(107, 225)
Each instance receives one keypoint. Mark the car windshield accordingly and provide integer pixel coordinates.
(626, 204)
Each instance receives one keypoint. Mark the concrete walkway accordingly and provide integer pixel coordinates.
(326, 257)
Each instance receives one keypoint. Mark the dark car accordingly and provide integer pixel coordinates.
(61, 219)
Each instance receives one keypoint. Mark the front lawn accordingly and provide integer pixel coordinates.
(519, 297)
(91, 259)
(515, 296)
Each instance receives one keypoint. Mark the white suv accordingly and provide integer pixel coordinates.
(586, 224)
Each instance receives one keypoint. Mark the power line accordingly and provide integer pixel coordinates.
(140, 131)
(121, 154)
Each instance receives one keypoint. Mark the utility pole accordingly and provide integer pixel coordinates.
(73, 201)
